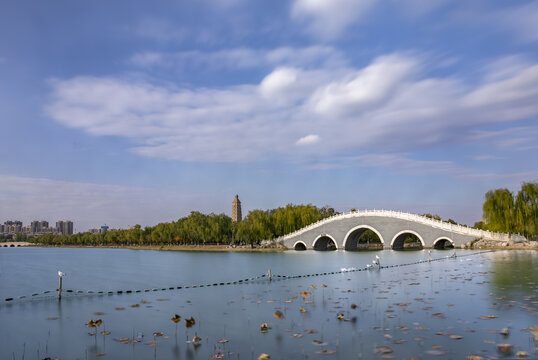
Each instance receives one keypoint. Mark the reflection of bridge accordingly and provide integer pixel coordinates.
(14, 244)
(392, 228)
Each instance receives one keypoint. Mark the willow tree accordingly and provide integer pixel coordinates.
(499, 210)
(526, 207)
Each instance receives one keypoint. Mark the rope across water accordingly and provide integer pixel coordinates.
(236, 282)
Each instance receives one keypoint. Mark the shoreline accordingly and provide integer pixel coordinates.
(200, 248)
(227, 248)
(496, 245)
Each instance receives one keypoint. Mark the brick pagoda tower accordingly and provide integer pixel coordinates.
(236, 210)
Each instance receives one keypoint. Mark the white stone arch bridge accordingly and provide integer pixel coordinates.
(392, 227)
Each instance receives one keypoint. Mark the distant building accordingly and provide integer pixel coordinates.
(34, 226)
(43, 225)
(38, 226)
(236, 210)
(103, 229)
(64, 227)
(12, 227)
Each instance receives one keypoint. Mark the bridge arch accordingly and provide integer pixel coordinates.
(323, 242)
(399, 238)
(299, 245)
(441, 243)
(348, 246)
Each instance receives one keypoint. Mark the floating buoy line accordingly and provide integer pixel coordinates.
(268, 276)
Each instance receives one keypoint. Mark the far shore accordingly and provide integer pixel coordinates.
(479, 245)
(213, 248)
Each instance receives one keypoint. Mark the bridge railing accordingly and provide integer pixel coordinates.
(455, 228)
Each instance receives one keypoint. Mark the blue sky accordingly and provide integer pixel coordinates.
(129, 112)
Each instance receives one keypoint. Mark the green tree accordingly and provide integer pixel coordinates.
(526, 209)
(480, 225)
(20, 237)
(430, 216)
(499, 210)
(199, 228)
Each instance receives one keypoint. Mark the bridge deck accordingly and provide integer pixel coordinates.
(391, 227)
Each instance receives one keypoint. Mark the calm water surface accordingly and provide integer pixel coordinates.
(446, 309)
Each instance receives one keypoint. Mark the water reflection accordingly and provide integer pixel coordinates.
(515, 271)
(451, 308)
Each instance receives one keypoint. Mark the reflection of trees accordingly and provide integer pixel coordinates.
(368, 236)
(363, 239)
(369, 241)
(515, 271)
(412, 242)
(411, 238)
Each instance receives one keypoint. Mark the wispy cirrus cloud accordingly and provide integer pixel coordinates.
(512, 138)
(389, 105)
(487, 157)
(328, 19)
(242, 58)
(160, 30)
(400, 163)
(522, 176)
(522, 19)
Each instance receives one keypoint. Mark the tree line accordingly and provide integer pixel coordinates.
(203, 229)
(511, 213)
(503, 211)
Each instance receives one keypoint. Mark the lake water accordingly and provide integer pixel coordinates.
(447, 309)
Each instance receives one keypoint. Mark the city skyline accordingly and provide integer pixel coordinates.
(36, 227)
(139, 113)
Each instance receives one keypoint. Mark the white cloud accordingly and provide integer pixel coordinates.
(505, 67)
(308, 140)
(328, 18)
(92, 205)
(389, 105)
(278, 81)
(242, 58)
(366, 87)
(146, 59)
